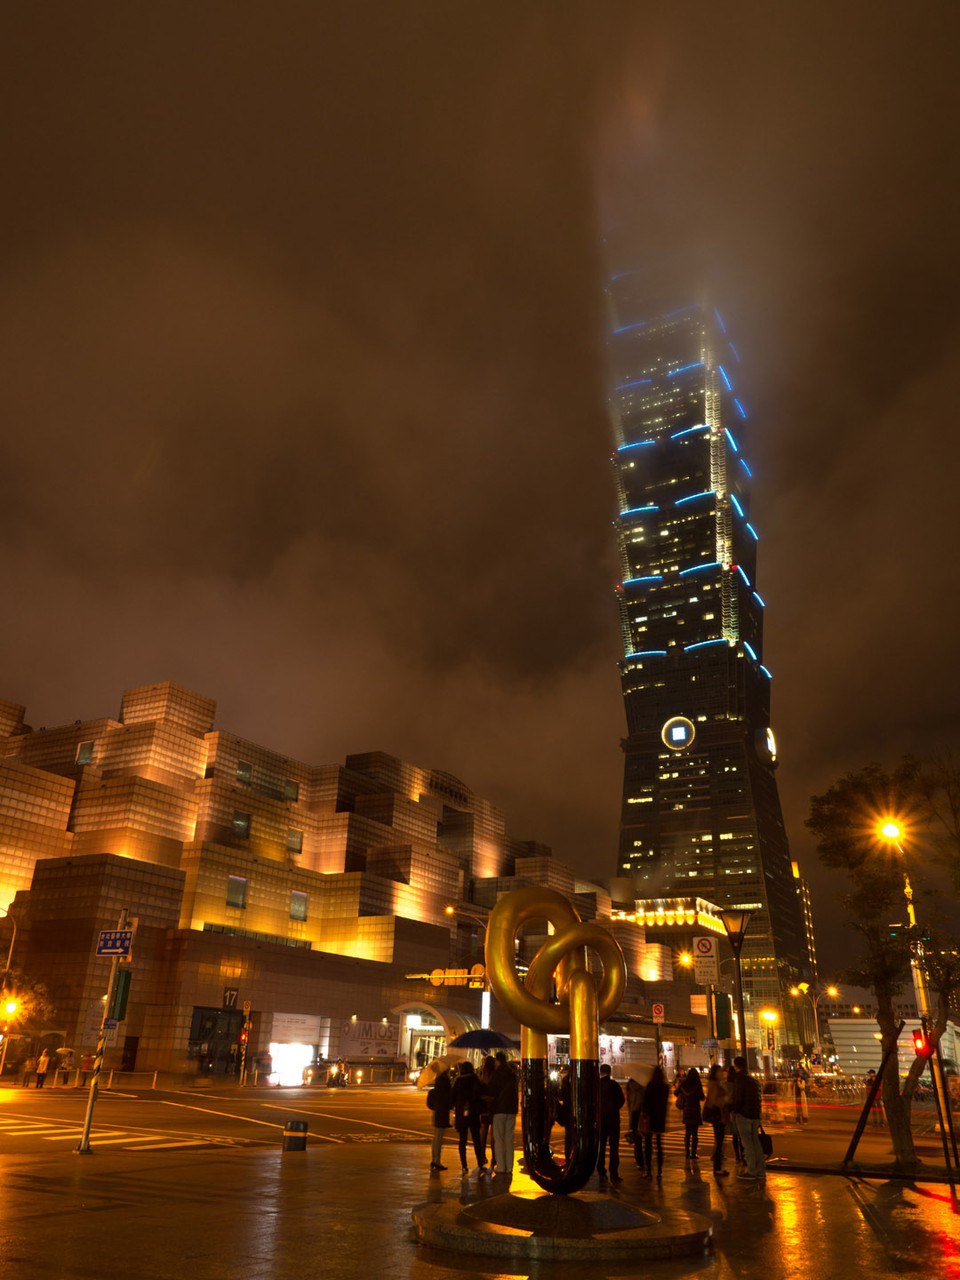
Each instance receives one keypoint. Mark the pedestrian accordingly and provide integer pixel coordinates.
(745, 1105)
(716, 1112)
(86, 1067)
(487, 1067)
(438, 1100)
(876, 1111)
(653, 1121)
(611, 1103)
(690, 1095)
(467, 1096)
(800, 1096)
(634, 1096)
(504, 1100)
(734, 1132)
(43, 1066)
(29, 1067)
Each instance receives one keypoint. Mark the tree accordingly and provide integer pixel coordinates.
(847, 822)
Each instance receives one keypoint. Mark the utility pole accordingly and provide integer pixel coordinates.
(116, 945)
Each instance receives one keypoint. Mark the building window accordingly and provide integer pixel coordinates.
(294, 841)
(291, 789)
(244, 771)
(298, 905)
(85, 753)
(236, 891)
(241, 824)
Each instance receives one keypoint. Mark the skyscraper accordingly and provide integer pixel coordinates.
(701, 813)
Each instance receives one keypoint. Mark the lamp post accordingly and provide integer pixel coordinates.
(735, 922)
(803, 989)
(485, 993)
(891, 831)
(768, 1022)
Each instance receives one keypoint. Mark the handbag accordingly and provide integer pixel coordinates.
(711, 1115)
(766, 1142)
(643, 1124)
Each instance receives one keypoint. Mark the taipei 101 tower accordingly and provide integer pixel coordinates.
(701, 814)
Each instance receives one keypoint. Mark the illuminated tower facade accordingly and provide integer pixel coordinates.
(701, 814)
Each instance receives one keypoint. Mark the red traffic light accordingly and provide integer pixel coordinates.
(921, 1045)
(242, 1038)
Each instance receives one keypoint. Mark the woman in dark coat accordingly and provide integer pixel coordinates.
(468, 1096)
(438, 1100)
(690, 1093)
(653, 1121)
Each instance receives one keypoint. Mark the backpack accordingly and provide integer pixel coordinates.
(431, 1099)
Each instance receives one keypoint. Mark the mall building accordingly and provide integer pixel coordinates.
(284, 913)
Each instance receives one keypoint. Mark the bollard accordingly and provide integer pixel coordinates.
(295, 1135)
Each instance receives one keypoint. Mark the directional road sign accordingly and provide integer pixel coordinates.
(114, 942)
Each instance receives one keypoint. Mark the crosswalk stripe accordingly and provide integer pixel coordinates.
(75, 1133)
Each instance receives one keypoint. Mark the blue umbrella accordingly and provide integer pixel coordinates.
(482, 1038)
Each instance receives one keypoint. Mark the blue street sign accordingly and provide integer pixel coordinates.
(114, 942)
(710, 1043)
(110, 1024)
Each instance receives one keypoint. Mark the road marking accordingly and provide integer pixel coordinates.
(327, 1115)
(167, 1146)
(228, 1115)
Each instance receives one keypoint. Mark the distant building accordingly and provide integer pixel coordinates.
(701, 813)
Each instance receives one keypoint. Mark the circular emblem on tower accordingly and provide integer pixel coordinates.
(678, 733)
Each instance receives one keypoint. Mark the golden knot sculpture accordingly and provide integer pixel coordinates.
(559, 996)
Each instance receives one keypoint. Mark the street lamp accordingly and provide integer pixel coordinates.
(735, 922)
(803, 989)
(769, 1016)
(891, 831)
(485, 993)
(10, 1008)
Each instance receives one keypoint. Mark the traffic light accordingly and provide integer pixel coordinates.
(242, 1037)
(921, 1045)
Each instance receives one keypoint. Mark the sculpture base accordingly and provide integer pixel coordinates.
(584, 1226)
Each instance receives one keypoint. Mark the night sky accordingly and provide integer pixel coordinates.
(301, 349)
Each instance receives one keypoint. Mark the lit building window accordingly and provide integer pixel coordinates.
(291, 789)
(244, 771)
(294, 841)
(85, 753)
(241, 824)
(236, 891)
(298, 905)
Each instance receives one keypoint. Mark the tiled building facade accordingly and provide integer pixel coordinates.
(311, 892)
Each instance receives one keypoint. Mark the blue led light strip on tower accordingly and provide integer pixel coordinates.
(702, 644)
(707, 493)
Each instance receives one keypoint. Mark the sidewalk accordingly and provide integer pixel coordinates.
(343, 1212)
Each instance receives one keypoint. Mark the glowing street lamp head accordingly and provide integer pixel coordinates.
(769, 1015)
(833, 991)
(11, 1006)
(891, 830)
(449, 910)
(686, 958)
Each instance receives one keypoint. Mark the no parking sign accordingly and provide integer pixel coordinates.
(705, 961)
